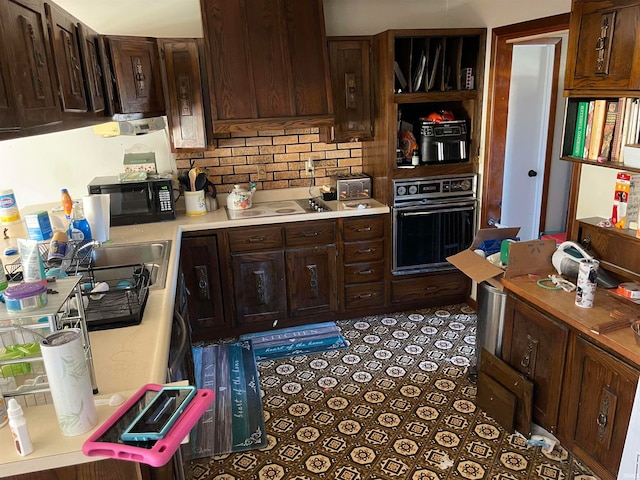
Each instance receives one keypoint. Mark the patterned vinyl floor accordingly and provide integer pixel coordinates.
(396, 404)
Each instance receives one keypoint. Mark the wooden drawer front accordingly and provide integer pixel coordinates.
(310, 234)
(364, 228)
(414, 290)
(255, 239)
(363, 251)
(365, 295)
(364, 272)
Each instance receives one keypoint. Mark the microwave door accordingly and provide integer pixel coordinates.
(129, 200)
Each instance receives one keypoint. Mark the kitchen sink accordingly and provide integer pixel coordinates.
(111, 260)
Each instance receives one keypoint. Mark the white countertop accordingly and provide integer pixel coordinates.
(127, 358)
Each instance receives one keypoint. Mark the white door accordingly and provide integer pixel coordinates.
(527, 129)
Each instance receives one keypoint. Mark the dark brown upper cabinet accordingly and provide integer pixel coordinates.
(267, 64)
(183, 92)
(134, 83)
(603, 51)
(350, 62)
(9, 118)
(28, 77)
(92, 65)
(66, 54)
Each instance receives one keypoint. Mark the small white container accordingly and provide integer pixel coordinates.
(194, 203)
(632, 155)
(9, 212)
(18, 426)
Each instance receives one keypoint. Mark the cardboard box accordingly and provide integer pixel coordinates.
(626, 201)
(38, 226)
(532, 256)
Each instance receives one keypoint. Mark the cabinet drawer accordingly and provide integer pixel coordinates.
(310, 233)
(364, 272)
(428, 290)
(365, 295)
(363, 251)
(254, 239)
(364, 228)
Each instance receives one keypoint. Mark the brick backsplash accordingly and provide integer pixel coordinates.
(237, 157)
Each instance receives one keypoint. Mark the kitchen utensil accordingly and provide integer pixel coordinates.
(113, 401)
(183, 179)
(201, 181)
(193, 173)
(239, 198)
(211, 186)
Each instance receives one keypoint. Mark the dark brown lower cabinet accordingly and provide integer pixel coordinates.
(601, 393)
(200, 263)
(311, 277)
(430, 289)
(259, 287)
(536, 346)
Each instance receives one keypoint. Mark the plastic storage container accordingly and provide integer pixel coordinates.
(25, 296)
(9, 212)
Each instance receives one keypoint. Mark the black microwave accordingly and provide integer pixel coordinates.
(145, 201)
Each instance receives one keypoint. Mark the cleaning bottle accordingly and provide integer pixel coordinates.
(67, 203)
(79, 229)
(18, 426)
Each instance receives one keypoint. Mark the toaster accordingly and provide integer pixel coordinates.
(351, 186)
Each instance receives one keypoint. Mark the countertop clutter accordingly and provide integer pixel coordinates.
(127, 358)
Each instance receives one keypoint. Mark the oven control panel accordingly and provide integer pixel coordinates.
(444, 186)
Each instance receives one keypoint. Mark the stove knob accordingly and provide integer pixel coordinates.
(413, 189)
(402, 190)
(465, 185)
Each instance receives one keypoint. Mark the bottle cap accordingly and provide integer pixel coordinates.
(14, 410)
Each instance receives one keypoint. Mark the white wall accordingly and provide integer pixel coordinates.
(37, 167)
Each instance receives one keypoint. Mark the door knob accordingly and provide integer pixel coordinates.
(532, 173)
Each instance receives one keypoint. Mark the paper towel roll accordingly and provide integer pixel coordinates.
(69, 381)
(97, 210)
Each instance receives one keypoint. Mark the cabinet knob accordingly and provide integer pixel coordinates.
(532, 173)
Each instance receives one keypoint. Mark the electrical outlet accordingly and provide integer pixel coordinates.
(262, 172)
(308, 166)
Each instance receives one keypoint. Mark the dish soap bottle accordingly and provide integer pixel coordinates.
(79, 229)
(18, 426)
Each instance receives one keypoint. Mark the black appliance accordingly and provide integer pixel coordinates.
(145, 201)
(444, 142)
(432, 219)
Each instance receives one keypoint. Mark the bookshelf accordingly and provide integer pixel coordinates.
(626, 124)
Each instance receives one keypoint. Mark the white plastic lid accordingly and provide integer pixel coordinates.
(6, 191)
(14, 410)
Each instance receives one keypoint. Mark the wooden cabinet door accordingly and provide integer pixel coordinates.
(259, 286)
(602, 394)
(136, 69)
(267, 61)
(350, 70)
(66, 55)
(93, 68)
(9, 118)
(603, 52)
(31, 62)
(200, 264)
(311, 280)
(536, 346)
(183, 92)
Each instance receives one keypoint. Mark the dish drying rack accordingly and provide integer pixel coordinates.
(22, 372)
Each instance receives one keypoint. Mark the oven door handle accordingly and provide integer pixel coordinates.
(448, 209)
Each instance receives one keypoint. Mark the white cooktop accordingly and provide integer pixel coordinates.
(268, 209)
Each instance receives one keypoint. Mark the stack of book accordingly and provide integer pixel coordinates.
(604, 127)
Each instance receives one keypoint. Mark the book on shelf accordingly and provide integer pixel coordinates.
(611, 115)
(625, 128)
(587, 131)
(617, 132)
(580, 130)
(597, 128)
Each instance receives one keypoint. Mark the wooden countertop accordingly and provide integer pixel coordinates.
(561, 304)
(127, 358)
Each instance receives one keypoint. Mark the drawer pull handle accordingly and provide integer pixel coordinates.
(260, 286)
(256, 239)
(363, 229)
(312, 270)
(366, 250)
(365, 272)
(601, 420)
(365, 295)
(310, 234)
(202, 275)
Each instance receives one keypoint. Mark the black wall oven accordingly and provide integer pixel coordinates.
(433, 218)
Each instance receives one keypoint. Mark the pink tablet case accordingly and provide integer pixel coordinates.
(163, 449)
